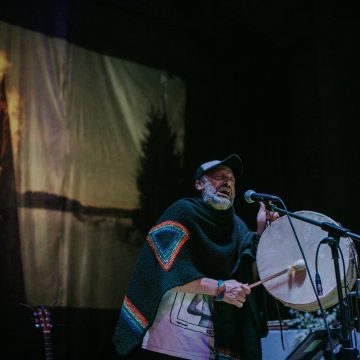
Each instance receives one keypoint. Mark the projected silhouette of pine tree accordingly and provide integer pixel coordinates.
(159, 179)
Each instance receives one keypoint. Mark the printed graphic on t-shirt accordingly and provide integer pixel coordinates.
(193, 312)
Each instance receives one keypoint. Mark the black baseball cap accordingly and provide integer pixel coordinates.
(233, 162)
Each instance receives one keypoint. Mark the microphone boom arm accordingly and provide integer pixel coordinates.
(334, 229)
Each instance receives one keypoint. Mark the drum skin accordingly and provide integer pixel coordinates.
(278, 249)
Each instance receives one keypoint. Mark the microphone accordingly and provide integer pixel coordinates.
(252, 196)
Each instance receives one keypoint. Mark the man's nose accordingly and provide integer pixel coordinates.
(229, 180)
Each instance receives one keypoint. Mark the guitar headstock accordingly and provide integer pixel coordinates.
(42, 319)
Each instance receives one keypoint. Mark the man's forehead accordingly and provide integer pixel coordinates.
(220, 169)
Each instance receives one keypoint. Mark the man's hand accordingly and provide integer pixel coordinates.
(235, 293)
(264, 218)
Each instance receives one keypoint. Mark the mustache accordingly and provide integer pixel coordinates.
(227, 187)
(223, 188)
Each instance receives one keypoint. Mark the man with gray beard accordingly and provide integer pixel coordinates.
(188, 297)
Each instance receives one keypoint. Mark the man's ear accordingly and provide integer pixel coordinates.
(199, 185)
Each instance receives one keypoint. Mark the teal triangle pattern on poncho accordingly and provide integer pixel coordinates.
(166, 240)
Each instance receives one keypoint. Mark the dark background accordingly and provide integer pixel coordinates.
(276, 82)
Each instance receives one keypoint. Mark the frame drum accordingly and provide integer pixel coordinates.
(278, 249)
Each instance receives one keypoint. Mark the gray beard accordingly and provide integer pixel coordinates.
(217, 202)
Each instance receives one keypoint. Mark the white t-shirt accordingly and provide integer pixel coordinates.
(183, 327)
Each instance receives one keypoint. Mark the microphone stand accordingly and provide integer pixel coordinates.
(333, 239)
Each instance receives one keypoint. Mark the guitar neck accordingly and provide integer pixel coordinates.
(48, 346)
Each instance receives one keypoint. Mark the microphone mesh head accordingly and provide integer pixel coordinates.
(247, 196)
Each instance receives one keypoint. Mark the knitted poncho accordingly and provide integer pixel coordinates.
(192, 240)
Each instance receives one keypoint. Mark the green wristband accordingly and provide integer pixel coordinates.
(220, 290)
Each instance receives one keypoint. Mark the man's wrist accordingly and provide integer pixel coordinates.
(221, 288)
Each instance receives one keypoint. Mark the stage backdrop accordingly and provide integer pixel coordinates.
(80, 122)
